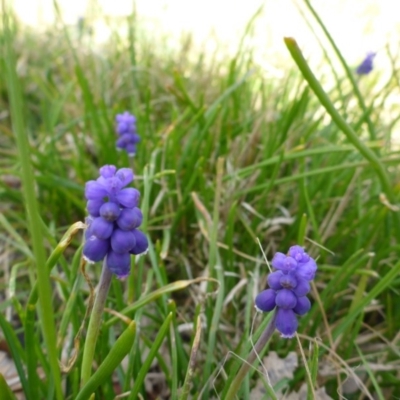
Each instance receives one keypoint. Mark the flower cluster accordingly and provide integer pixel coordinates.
(366, 66)
(126, 130)
(113, 220)
(289, 285)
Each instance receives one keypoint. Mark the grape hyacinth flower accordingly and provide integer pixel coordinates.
(126, 130)
(367, 64)
(288, 285)
(113, 220)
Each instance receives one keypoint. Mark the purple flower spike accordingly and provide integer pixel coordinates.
(113, 220)
(126, 131)
(366, 65)
(289, 285)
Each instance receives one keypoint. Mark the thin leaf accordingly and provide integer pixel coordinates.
(120, 349)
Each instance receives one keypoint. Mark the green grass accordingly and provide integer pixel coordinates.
(228, 156)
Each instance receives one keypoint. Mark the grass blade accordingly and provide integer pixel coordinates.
(316, 87)
(32, 209)
(115, 356)
(146, 364)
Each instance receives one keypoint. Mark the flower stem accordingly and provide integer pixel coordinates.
(257, 348)
(94, 323)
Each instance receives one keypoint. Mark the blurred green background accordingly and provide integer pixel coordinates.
(287, 174)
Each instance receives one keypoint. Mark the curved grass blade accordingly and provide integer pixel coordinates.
(30, 199)
(6, 392)
(172, 287)
(192, 362)
(316, 87)
(56, 254)
(347, 69)
(17, 352)
(120, 349)
(147, 363)
(382, 284)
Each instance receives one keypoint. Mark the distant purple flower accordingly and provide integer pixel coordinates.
(113, 220)
(367, 64)
(126, 131)
(289, 285)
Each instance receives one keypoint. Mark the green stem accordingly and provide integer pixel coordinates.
(215, 267)
(257, 349)
(94, 323)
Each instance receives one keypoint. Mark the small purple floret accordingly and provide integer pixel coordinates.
(119, 264)
(303, 306)
(302, 288)
(289, 285)
(108, 171)
(288, 281)
(286, 322)
(129, 197)
(283, 263)
(125, 175)
(110, 211)
(95, 249)
(286, 299)
(265, 301)
(130, 218)
(122, 241)
(274, 280)
(93, 207)
(142, 243)
(299, 254)
(307, 270)
(101, 228)
(95, 191)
